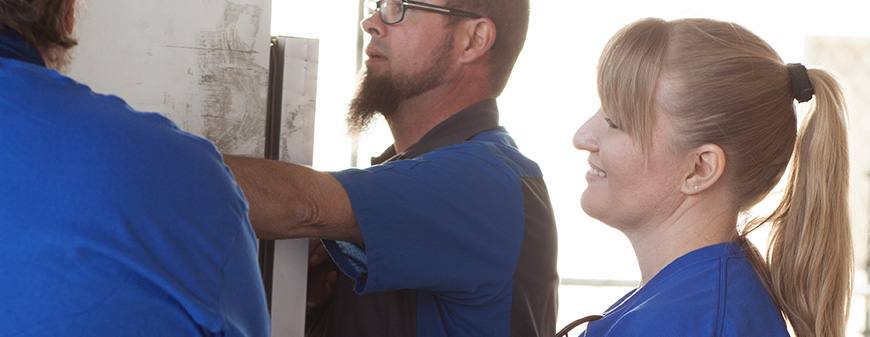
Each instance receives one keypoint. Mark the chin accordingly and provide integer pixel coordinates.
(595, 207)
(587, 204)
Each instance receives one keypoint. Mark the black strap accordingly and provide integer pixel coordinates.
(462, 126)
(574, 324)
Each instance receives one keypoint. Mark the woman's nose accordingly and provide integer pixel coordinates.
(585, 138)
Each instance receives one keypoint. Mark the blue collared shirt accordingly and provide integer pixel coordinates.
(114, 222)
(14, 46)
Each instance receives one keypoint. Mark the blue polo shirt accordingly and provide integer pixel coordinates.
(712, 291)
(114, 222)
(459, 239)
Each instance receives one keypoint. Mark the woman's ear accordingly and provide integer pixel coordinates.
(478, 37)
(707, 165)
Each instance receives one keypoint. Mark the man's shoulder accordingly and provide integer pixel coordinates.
(97, 138)
(494, 147)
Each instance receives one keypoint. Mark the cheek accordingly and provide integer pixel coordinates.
(628, 180)
(625, 179)
(659, 185)
(622, 163)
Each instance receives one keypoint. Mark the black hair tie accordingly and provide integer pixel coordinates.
(801, 88)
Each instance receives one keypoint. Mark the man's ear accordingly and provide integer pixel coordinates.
(707, 163)
(70, 16)
(478, 36)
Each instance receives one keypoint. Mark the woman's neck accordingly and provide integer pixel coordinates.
(690, 227)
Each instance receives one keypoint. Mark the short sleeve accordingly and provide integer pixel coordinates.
(449, 221)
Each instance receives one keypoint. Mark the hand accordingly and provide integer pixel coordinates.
(322, 275)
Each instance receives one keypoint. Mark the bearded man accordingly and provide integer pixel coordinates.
(450, 232)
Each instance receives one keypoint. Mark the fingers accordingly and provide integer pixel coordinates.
(317, 253)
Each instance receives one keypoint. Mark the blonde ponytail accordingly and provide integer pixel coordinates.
(810, 255)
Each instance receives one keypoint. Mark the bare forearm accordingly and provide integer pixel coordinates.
(293, 201)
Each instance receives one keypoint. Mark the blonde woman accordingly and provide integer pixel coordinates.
(697, 125)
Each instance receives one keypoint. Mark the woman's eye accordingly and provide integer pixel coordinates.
(611, 123)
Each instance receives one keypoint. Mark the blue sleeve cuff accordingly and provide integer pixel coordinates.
(351, 259)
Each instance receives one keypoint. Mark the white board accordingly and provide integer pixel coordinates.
(204, 64)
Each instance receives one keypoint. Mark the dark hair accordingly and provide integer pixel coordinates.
(42, 22)
(511, 18)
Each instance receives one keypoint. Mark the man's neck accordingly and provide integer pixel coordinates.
(418, 115)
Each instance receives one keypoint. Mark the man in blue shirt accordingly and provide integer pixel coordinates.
(451, 232)
(113, 222)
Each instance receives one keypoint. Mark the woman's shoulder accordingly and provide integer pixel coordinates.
(710, 292)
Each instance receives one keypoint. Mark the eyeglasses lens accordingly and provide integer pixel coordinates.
(391, 10)
(371, 6)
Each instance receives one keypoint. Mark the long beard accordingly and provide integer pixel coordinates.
(376, 94)
(382, 94)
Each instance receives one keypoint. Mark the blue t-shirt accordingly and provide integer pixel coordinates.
(452, 224)
(115, 222)
(712, 291)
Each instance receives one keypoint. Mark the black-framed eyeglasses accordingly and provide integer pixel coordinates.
(393, 11)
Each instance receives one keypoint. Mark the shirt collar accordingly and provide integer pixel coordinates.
(14, 46)
(458, 128)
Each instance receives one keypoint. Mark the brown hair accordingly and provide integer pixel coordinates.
(511, 19)
(43, 22)
(723, 85)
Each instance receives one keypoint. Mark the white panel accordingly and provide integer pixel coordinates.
(288, 297)
(296, 146)
(298, 104)
(202, 63)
